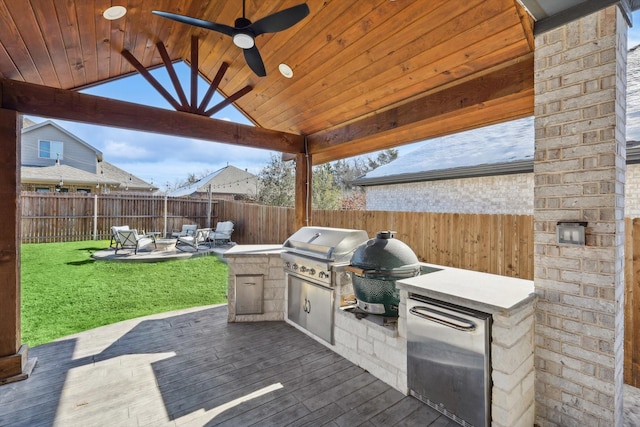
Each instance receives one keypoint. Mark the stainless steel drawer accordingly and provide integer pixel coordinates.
(448, 359)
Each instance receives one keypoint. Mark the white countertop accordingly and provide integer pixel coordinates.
(252, 250)
(486, 292)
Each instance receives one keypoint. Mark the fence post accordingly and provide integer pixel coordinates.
(95, 217)
(164, 228)
(208, 222)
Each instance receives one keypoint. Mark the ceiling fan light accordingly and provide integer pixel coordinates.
(245, 41)
(114, 12)
(285, 70)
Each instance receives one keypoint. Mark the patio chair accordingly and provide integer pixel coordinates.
(187, 230)
(222, 233)
(130, 239)
(194, 241)
(115, 240)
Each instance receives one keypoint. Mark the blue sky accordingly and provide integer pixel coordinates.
(168, 160)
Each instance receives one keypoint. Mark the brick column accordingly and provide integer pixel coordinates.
(579, 172)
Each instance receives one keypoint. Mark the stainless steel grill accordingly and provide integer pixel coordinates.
(313, 253)
(314, 260)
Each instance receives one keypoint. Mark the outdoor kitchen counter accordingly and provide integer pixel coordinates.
(489, 293)
(253, 250)
(510, 302)
(256, 285)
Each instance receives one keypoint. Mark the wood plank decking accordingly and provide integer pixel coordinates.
(192, 368)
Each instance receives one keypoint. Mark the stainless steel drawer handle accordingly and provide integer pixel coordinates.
(445, 319)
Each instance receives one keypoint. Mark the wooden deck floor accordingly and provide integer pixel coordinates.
(192, 368)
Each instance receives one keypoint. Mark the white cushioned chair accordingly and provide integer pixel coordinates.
(194, 241)
(187, 230)
(222, 233)
(130, 239)
(115, 239)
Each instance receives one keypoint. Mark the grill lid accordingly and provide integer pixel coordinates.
(383, 257)
(331, 244)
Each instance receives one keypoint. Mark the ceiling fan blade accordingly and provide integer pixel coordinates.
(254, 61)
(280, 20)
(221, 28)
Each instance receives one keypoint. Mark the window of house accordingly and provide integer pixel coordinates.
(50, 149)
(83, 190)
(43, 190)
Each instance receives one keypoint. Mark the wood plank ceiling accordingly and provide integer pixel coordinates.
(368, 75)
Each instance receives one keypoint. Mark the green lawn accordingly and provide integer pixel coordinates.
(65, 291)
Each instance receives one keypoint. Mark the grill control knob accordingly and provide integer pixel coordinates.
(295, 266)
(312, 272)
(322, 275)
(287, 264)
(303, 269)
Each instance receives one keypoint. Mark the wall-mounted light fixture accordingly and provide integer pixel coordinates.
(571, 233)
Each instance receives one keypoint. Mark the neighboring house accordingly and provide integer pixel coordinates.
(487, 170)
(53, 159)
(228, 183)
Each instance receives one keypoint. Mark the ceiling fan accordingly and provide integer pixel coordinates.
(244, 31)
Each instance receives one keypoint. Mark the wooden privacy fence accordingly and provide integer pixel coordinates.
(632, 302)
(500, 244)
(63, 217)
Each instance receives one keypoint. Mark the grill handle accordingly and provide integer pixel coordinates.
(352, 269)
(445, 319)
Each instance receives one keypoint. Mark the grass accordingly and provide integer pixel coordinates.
(65, 291)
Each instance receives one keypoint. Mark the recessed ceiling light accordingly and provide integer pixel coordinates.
(245, 41)
(285, 70)
(114, 12)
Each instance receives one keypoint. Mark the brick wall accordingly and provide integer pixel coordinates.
(512, 395)
(507, 194)
(579, 173)
(502, 194)
(632, 192)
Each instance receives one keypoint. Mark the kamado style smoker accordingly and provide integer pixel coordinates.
(375, 266)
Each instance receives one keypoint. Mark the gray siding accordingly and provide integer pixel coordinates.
(75, 153)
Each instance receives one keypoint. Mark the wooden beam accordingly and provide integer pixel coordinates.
(303, 190)
(228, 101)
(152, 80)
(287, 157)
(527, 24)
(483, 115)
(9, 233)
(379, 131)
(194, 73)
(172, 74)
(14, 365)
(212, 87)
(45, 101)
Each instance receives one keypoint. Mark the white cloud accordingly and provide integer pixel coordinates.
(114, 149)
